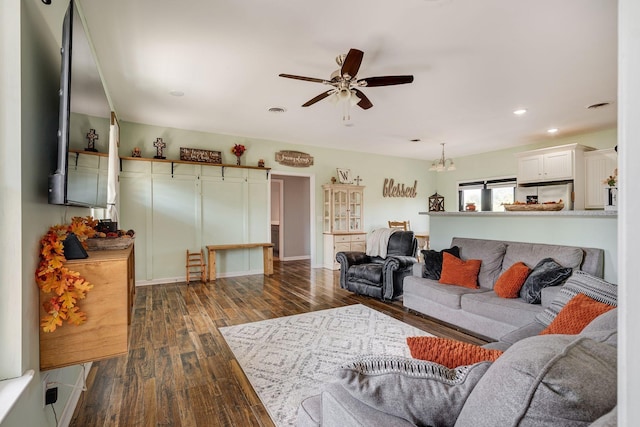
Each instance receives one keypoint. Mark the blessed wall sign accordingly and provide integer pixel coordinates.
(391, 189)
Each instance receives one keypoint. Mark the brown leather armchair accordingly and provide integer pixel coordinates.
(379, 277)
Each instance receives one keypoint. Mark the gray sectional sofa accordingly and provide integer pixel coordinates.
(539, 380)
(481, 311)
(546, 380)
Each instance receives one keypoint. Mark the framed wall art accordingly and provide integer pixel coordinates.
(344, 176)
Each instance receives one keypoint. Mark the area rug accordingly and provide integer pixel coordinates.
(289, 358)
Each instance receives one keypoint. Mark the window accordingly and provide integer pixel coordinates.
(486, 195)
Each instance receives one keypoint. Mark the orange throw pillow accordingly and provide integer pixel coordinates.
(509, 283)
(448, 352)
(577, 314)
(458, 272)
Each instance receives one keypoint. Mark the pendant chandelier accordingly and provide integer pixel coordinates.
(442, 164)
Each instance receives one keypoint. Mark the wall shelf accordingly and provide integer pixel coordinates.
(188, 162)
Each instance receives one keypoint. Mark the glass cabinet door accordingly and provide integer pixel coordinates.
(355, 210)
(341, 210)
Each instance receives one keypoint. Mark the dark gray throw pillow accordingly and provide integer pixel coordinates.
(546, 273)
(433, 261)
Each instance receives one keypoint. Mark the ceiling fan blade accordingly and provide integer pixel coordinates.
(364, 103)
(307, 79)
(386, 80)
(352, 62)
(320, 97)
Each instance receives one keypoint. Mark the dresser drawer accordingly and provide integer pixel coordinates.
(342, 238)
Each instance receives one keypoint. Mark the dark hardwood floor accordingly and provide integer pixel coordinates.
(179, 370)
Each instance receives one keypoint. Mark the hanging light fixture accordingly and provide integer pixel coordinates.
(347, 97)
(440, 165)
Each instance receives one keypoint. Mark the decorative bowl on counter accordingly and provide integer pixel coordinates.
(534, 207)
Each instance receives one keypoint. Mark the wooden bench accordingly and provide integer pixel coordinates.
(267, 255)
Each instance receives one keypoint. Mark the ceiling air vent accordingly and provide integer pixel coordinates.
(277, 110)
(598, 105)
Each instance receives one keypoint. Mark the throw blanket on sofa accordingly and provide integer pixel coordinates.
(378, 240)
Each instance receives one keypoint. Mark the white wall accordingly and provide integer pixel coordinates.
(629, 226)
(28, 123)
(588, 232)
(373, 169)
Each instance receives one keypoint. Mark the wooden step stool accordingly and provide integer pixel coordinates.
(195, 266)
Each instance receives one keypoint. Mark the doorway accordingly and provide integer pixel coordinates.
(292, 207)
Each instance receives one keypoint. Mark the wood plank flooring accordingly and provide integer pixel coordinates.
(179, 370)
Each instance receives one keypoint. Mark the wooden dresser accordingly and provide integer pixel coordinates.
(108, 307)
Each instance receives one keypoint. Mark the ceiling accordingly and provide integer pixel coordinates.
(474, 63)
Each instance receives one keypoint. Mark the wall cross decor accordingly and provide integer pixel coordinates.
(160, 146)
(92, 136)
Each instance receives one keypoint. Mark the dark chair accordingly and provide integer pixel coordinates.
(379, 277)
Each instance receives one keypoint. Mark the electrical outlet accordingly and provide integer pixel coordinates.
(51, 396)
(45, 386)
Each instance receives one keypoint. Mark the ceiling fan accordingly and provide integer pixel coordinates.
(345, 82)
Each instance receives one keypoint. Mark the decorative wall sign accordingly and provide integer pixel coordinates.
(436, 203)
(296, 159)
(391, 189)
(198, 155)
(344, 176)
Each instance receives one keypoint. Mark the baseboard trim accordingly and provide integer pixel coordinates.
(184, 278)
(295, 258)
(70, 407)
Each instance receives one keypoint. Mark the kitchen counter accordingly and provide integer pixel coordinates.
(582, 213)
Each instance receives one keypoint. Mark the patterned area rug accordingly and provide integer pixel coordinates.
(289, 358)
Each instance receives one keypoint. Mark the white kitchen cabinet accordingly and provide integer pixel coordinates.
(334, 243)
(550, 166)
(599, 164)
(561, 163)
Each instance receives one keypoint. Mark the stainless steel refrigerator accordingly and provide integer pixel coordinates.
(547, 193)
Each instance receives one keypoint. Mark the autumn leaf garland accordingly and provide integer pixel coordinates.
(65, 287)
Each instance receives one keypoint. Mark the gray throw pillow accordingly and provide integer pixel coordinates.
(546, 273)
(580, 283)
(546, 380)
(433, 261)
(423, 393)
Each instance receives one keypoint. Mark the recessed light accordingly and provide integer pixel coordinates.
(277, 110)
(415, 140)
(552, 130)
(519, 112)
(176, 93)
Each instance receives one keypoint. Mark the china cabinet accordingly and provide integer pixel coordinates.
(343, 216)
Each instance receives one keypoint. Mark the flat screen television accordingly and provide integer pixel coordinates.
(79, 179)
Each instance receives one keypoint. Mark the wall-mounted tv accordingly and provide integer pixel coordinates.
(80, 176)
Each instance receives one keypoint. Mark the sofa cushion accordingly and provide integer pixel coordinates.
(547, 272)
(515, 312)
(433, 261)
(449, 296)
(580, 283)
(546, 380)
(421, 392)
(532, 253)
(509, 283)
(577, 314)
(490, 252)
(449, 352)
(459, 272)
